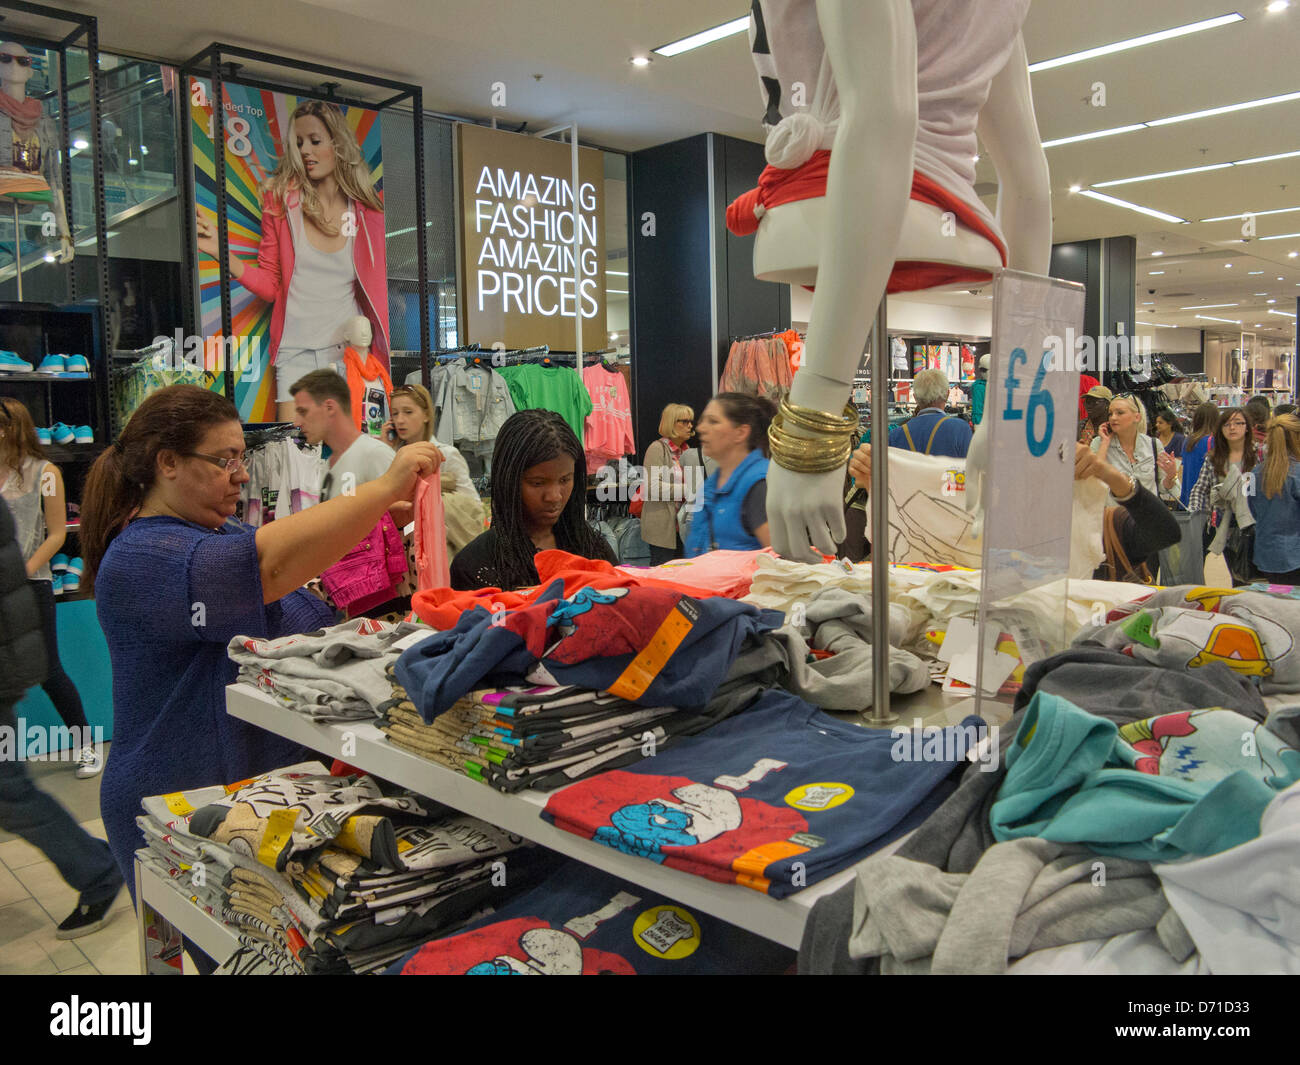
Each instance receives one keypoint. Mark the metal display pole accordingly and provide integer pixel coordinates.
(880, 713)
(18, 251)
(577, 252)
(223, 218)
(421, 235)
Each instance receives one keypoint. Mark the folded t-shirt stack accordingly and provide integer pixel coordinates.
(551, 735)
(331, 874)
(649, 646)
(583, 922)
(775, 799)
(334, 674)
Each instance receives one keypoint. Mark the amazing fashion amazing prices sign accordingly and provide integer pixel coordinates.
(523, 229)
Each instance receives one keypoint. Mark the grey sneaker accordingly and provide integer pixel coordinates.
(88, 763)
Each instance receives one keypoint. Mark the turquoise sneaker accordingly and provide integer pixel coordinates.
(10, 362)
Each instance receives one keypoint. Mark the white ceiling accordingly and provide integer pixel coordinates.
(580, 48)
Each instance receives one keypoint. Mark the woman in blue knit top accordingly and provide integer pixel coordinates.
(175, 578)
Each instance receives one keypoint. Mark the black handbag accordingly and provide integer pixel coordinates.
(1239, 554)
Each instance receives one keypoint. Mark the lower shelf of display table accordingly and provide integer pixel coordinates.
(363, 745)
(217, 939)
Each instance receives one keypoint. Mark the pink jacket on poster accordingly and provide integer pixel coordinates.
(269, 279)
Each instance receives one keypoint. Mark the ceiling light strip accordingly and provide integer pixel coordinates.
(1136, 42)
(698, 40)
(1165, 174)
(1132, 206)
(1211, 318)
(1250, 214)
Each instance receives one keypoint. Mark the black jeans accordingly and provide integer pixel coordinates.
(660, 555)
(58, 685)
(84, 862)
(1292, 578)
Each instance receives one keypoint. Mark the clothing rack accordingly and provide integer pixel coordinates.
(258, 434)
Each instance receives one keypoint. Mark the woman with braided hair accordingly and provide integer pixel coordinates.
(535, 463)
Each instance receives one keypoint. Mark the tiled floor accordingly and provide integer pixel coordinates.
(34, 898)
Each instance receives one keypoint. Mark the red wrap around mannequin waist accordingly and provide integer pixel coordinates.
(777, 187)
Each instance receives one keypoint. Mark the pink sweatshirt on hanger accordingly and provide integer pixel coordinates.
(608, 429)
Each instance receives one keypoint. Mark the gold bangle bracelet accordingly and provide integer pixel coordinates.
(818, 421)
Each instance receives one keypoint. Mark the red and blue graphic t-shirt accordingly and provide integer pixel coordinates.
(585, 922)
(776, 798)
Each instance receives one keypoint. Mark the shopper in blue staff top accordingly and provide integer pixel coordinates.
(175, 579)
(733, 511)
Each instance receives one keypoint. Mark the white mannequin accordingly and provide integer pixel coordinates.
(13, 79)
(872, 50)
(359, 334)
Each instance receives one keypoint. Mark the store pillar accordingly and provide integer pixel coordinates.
(693, 284)
(1107, 269)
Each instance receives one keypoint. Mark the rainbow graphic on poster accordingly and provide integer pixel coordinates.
(257, 121)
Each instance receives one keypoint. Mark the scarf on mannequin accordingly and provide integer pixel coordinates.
(358, 372)
(24, 113)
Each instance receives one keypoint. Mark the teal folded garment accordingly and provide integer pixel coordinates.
(1189, 783)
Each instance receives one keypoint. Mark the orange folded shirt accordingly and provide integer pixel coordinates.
(442, 607)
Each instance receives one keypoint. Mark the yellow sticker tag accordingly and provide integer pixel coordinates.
(279, 830)
(814, 798)
(667, 931)
(177, 804)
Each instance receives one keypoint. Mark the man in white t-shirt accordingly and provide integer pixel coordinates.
(323, 411)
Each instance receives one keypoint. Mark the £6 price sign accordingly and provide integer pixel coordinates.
(1029, 464)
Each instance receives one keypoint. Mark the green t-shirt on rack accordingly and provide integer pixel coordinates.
(556, 388)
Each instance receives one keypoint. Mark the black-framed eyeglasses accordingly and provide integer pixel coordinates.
(21, 60)
(685, 421)
(231, 465)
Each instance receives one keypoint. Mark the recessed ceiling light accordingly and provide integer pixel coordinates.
(1256, 271)
(1132, 206)
(1259, 293)
(1154, 273)
(640, 60)
(1292, 254)
(1145, 302)
(1135, 42)
(1208, 306)
(1076, 188)
(81, 143)
(1277, 5)
(1270, 301)
(1227, 266)
(698, 40)
(974, 158)
(1281, 279)
(1156, 253)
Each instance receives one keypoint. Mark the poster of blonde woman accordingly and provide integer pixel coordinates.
(304, 193)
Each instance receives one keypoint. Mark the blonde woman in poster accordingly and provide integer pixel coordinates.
(321, 260)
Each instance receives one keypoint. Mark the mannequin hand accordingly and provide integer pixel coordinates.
(860, 467)
(411, 463)
(803, 509)
(66, 250)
